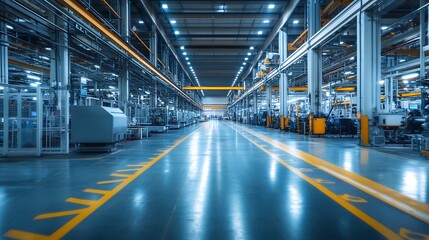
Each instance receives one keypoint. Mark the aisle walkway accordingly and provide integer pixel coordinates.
(218, 180)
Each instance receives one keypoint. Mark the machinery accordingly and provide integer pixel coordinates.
(97, 128)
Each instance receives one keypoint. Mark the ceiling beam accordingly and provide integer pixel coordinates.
(213, 88)
(222, 16)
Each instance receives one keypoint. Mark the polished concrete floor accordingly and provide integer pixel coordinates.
(219, 180)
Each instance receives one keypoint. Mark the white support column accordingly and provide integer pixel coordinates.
(368, 64)
(283, 82)
(60, 77)
(423, 27)
(269, 98)
(4, 54)
(314, 59)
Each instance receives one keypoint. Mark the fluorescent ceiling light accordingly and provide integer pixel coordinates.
(251, 48)
(248, 54)
(352, 58)
(244, 63)
(271, 6)
(164, 6)
(341, 42)
(259, 32)
(43, 57)
(384, 28)
(410, 76)
(401, 60)
(290, 74)
(147, 92)
(34, 84)
(182, 47)
(173, 21)
(348, 73)
(48, 49)
(189, 63)
(381, 82)
(405, 81)
(33, 77)
(176, 32)
(266, 21)
(296, 21)
(141, 21)
(186, 58)
(246, 59)
(185, 53)
(9, 27)
(97, 66)
(241, 67)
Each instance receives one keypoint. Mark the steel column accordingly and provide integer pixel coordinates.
(124, 75)
(422, 41)
(368, 65)
(153, 45)
(4, 54)
(283, 82)
(314, 59)
(60, 74)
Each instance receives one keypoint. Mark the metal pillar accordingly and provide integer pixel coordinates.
(4, 55)
(60, 75)
(283, 82)
(422, 41)
(314, 59)
(269, 102)
(368, 66)
(153, 44)
(124, 75)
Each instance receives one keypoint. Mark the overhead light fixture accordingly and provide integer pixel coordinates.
(384, 28)
(296, 21)
(251, 48)
(401, 60)
(271, 6)
(33, 77)
(48, 49)
(164, 6)
(9, 27)
(147, 92)
(186, 58)
(405, 82)
(259, 32)
(241, 67)
(43, 57)
(35, 84)
(410, 76)
(189, 63)
(114, 75)
(290, 74)
(348, 73)
(173, 21)
(248, 54)
(244, 63)
(176, 32)
(245, 59)
(341, 42)
(266, 21)
(141, 21)
(182, 47)
(352, 58)
(190, 67)
(381, 82)
(185, 53)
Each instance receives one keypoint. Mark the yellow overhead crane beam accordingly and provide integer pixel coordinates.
(212, 88)
(409, 94)
(74, 6)
(345, 89)
(298, 89)
(214, 107)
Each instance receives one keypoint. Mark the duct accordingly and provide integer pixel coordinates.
(147, 6)
(282, 20)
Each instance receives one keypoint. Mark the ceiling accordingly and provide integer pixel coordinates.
(218, 36)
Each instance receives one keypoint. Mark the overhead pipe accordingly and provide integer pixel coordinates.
(147, 6)
(279, 24)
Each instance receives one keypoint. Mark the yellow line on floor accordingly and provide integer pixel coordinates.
(110, 181)
(81, 201)
(121, 175)
(408, 205)
(62, 231)
(58, 214)
(96, 191)
(128, 170)
(389, 234)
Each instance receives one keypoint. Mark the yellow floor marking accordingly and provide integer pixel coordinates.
(322, 181)
(110, 181)
(408, 205)
(121, 175)
(62, 231)
(128, 170)
(96, 191)
(135, 165)
(350, 198)
(409, 235)
(17, 234)
(81, 201)
(58, 214)
(389, 234)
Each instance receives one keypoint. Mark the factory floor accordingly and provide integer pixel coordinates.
(219, 180)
